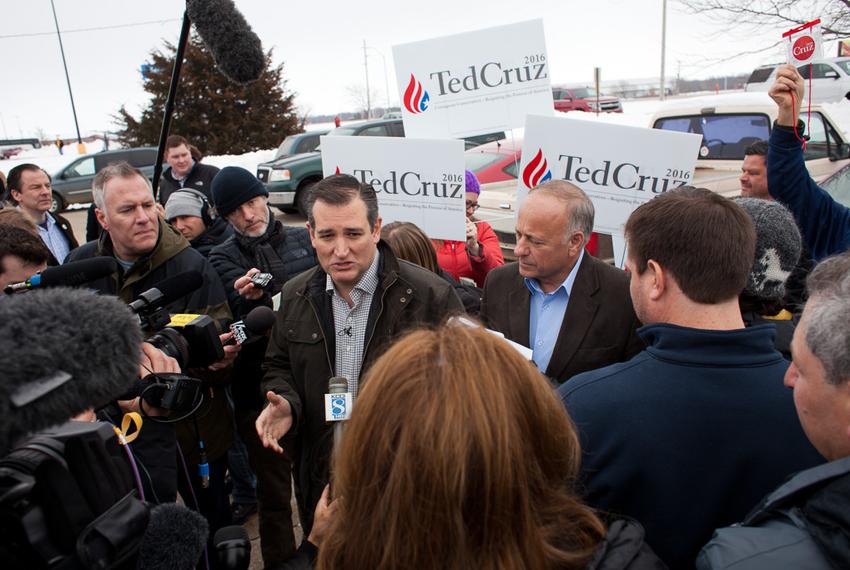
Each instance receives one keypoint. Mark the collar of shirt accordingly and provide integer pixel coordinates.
(368, 282)
(534, 286)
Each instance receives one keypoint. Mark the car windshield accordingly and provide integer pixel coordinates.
(844, 65)
(584, 92)
(285, 148)
(476, 161)
(760, 75)
(724, 137)
(838, 186)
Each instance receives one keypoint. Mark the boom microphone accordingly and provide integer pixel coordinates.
(236, 49)
(62, 351)
(255, 324)
(167, 291)
(175, 538)
(71, 274)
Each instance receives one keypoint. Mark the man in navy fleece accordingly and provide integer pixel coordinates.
(697, 427)
(824, 223)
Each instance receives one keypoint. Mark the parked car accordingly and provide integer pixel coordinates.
(289, 180)
(72, 183)
(583, 99)
(495, 161)
(830, 78)
(299, 144)
(10, 152)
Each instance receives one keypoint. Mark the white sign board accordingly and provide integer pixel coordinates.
(473, 83)
(619, 167)
(418, 181)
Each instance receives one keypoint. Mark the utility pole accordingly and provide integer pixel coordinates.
(81, 148)
(663, 44)
(368, 97)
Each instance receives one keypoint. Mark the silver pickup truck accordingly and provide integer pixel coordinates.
(728, 124)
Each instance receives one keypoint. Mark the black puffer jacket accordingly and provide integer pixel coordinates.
(232, 259)
(200, 178)
(216, 234)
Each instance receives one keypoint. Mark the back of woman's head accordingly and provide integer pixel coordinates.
(410, 243)
(458, 455)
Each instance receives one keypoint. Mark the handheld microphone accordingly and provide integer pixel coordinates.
(338, 402)
(236, 49)
(232, 548)
(168, 291)
(175, 538)
(48, 336)
(254, 326)
(72, 274)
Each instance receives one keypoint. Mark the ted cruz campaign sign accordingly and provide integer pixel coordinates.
(418, 181)
(618, 167)
(473, 83)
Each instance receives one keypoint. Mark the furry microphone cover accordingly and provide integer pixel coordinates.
(95, 339)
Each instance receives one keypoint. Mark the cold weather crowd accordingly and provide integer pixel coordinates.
(692, 411)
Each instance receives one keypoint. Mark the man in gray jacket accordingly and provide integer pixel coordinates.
(805, 523)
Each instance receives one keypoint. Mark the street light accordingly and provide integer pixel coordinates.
(81, 148)
(386, 80)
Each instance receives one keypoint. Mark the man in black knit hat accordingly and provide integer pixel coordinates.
(261, 244)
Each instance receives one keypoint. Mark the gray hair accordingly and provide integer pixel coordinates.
(110, 171)
(828, 330)
(582, 212)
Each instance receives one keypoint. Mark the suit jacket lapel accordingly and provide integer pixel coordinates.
(581, 309)
(519, 305)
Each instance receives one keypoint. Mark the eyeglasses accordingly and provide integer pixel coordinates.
(472, 206)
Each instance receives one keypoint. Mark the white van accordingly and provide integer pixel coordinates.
(830, 79)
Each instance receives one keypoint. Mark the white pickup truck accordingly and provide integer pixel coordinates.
(728, 125)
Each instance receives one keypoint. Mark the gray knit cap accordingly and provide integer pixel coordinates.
(184, 203)
(778, 247)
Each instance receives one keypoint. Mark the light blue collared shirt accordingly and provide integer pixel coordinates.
(546, 315)
(54, 239)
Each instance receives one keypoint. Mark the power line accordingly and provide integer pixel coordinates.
(117, 26)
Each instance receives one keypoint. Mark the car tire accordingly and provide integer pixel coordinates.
(58, 204)
(302, 195)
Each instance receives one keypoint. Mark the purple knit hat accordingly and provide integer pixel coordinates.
(472, 184)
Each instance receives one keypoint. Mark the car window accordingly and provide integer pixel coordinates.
(342, 132)
(396, 129)
(308, 143)
(838, 186)
(285, 148)
(761, 74)
(844, 65)
(584, 92)
(823, 140)
(511, 169)
(376, 131)
(558, 94)
(724, 137)
(819, 70)
(84, 167)
(142, 158)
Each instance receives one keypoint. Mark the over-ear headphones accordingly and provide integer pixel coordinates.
(207, 211)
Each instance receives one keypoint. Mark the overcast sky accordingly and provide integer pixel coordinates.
(320, 44)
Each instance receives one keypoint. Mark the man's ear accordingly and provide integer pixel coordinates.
(659, 279)
(101, 219)
(376, 231)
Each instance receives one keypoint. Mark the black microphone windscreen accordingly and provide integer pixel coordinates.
(179, 286)
(75, 273)
(175, 538)
(260, 320)
(44, 333)
(232, 547)
(236, 49)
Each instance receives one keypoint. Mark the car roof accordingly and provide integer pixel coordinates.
(505, 146)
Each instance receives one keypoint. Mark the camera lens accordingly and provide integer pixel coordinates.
(172, 344)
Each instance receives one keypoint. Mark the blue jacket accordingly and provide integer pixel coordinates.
(824, 223)
(688, 435)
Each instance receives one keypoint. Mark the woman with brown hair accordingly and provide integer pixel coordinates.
(411, 244)
(459, 455)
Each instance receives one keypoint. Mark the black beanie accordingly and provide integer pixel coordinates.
(233, 186)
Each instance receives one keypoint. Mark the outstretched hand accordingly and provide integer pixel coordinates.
(274, 421)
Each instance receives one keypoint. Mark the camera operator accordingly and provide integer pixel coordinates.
(149, 251)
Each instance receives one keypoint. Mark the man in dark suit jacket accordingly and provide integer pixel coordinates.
(571, 309)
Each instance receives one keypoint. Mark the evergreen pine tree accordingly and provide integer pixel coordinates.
(213, 113)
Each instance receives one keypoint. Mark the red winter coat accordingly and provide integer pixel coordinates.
(452, 256)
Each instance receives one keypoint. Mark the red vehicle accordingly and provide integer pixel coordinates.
(10, 152)
(583, 99)
(499, 162)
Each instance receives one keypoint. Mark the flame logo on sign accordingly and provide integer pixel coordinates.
(537, 171)
(337, 170)
(415, 97)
